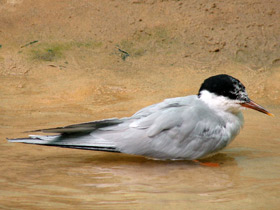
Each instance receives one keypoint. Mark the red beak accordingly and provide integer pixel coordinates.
(252, 105)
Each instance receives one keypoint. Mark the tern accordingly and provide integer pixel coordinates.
(190, 127)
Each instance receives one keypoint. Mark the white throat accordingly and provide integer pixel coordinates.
(220, 103)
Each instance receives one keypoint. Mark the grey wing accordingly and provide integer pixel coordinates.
(81, 127)
(164, 115)
(181, 131)
(106, 133)
(173, 129)
(167, 103)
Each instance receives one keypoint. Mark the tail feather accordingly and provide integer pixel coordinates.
(95, 148)
(66, 142)
(76, 136)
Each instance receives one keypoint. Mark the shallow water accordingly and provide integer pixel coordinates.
(37, 177)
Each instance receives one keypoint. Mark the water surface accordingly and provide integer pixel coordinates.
(38, 177)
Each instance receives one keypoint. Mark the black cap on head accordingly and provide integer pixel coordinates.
(225, 85)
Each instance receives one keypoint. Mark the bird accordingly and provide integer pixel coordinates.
(183, 128)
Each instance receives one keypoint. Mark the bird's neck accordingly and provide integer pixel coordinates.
(220, 103)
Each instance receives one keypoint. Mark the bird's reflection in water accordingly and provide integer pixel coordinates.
(122, 173)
